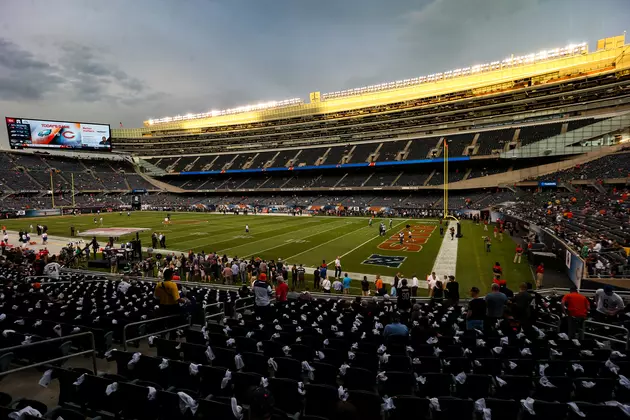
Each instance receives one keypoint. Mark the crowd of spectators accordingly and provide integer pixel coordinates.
(596, 225)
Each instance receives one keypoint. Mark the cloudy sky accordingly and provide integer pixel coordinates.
(126, 61)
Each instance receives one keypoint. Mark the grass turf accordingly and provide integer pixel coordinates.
(308, 241)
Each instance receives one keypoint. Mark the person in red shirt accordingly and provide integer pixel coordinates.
(577, 307)
(540, 271)
(282, 289)
(518, 254)
(497, 270)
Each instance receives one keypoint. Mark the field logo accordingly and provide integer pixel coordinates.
(420, 235)
(385, 260)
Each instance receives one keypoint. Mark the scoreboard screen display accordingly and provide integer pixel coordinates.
(38, 134)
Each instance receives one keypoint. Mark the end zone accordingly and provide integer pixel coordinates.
(115, 232)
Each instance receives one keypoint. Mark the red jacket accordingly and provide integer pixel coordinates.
(281, 292)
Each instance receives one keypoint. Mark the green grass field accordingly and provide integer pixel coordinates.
(308, 241)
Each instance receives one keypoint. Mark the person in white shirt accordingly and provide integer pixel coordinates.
(414, 286)
(246, 228)
(44, 238)
(326, 285)
(431, 282)
(338, 267)
(52, 270)
(597, 247)
(608, 303)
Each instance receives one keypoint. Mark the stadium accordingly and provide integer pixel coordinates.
(330, 257)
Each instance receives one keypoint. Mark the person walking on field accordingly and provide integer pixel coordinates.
(518, 254)
(540, 272)
(338, 267)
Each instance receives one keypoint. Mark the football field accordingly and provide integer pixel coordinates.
(309, 241)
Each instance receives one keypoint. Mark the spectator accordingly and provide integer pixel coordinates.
(431, 280)
(521, 305)
(365, 286)
(608, 304)
(540, 271)
(495, 304)
(293, 295)
(316, 279)
(518, 254)
(476, 311)
(437, 294)
(337, 286)
(346, 284)
(235, 271)
(326, 285)
(404, 296)
(262, 295)
(281, 290)
(395, 328)
(379, 284)
(227, 275)
(576, 306)
(414, 286)
(167, 293)
(294, 276)
(452, 291)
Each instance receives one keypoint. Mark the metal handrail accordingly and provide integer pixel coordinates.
(132, 324)
(555, 326)
(625, 342)
(58, 359)
(221, 305)
(242, 308)
(586, 292)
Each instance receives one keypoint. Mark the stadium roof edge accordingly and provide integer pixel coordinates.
(475, 76)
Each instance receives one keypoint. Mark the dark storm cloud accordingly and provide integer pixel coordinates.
(23, 76)
(78, 74)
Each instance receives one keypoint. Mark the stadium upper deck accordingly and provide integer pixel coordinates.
(559, 77)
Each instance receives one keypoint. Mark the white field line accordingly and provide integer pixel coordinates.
(227, 236)
(285, 243)
(327, 242)
(370, 240)
(265, 239)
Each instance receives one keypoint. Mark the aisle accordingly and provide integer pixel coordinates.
(446, 260)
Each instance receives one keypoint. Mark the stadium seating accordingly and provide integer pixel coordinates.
(310, 355)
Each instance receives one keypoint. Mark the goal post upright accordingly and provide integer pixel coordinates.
(445, 170)
(445, 189)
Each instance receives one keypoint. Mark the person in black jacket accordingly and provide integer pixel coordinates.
(404, 296)
(452, 291)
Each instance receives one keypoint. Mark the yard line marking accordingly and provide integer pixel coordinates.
(370, 240)
(228, 234)
(269, 237)
(327, 242)
(285, 243)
